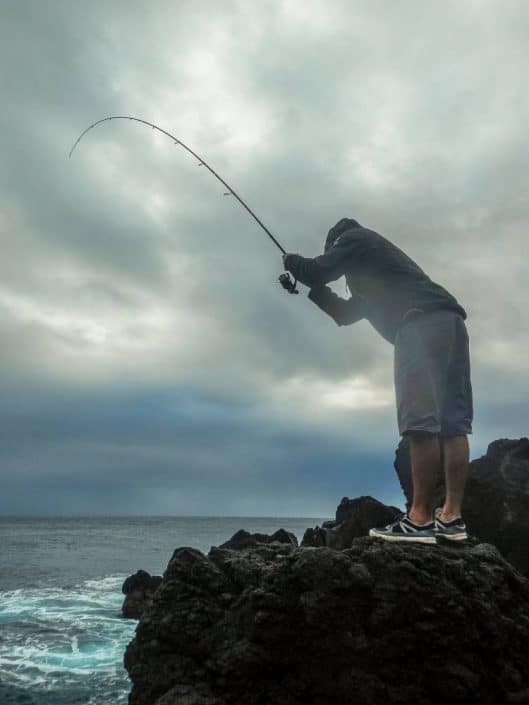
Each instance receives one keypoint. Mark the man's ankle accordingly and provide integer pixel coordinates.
(419, 517)
(448, 516)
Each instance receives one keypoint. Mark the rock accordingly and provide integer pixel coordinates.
(354, 518)
(362, 510)
(378, 623)
(402, 465)
(138, 590)
(496, 502)
(188, 695)
(243, 539)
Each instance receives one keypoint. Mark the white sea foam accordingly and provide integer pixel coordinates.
(53, 638)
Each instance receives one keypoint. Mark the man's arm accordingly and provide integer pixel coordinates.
(342, 311)
(316, 271)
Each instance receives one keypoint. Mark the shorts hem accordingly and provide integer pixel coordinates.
(437, 432)
(457, 432)
(420, 429)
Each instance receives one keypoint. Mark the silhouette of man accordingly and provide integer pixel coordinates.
(426, 325)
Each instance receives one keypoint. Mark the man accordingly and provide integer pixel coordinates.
(426, 325)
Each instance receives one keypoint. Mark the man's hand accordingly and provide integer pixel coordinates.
(285, 255)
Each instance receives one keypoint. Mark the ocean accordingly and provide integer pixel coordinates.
(62, 637)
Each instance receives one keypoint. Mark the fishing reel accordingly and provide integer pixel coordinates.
(287, 283)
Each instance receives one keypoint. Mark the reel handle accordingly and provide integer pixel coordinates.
(287, 283)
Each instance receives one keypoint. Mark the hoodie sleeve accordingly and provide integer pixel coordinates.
(342, 311)
(317, 271)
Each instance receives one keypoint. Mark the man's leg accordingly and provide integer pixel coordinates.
(425, 455)
(418, 526)
(456, 459)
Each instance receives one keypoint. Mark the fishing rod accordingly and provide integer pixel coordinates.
(284, 279)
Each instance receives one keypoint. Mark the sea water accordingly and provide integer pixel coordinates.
(62, 637)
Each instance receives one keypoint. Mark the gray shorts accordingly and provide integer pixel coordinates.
(432, 375)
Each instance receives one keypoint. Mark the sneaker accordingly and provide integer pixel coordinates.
(452, 530)
(405, 530)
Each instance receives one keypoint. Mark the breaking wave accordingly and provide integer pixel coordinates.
(64, 645)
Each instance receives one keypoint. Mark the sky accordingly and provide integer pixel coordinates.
(151, 364)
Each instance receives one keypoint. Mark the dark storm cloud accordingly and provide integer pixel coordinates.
(148, 452)
(126, 268)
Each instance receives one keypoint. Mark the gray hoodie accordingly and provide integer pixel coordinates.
(386, 285)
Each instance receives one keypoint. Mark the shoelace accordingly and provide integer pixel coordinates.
(395, 521)
(400, 519)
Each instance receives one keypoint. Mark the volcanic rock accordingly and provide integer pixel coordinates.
(496, 502)
(243, 539)
(378, 623)
(354, 518)
(138, 590)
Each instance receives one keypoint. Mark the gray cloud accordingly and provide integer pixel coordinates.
(125, 268)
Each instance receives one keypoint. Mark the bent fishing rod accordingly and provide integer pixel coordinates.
(284, 279)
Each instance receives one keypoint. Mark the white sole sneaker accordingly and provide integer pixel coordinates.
(455, 530)
(409, 539)
(405, 530)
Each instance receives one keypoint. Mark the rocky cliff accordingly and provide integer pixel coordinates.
(375, 624)
(345, 619)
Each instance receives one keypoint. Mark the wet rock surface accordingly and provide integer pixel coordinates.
(376, 623)
(138, 590)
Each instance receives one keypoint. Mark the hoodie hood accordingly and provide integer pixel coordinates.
(340, 227)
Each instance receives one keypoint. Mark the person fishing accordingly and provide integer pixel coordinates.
(433, 390)
(431, 364)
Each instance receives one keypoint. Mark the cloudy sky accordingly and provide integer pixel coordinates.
(150, 363)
